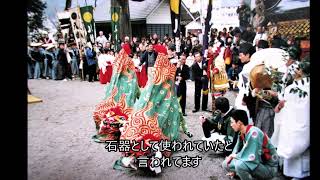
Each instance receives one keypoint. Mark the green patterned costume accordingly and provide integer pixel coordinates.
(122, 92)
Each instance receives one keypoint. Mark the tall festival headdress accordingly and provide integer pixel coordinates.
(88, 21)
(175, 9)
(272, 57)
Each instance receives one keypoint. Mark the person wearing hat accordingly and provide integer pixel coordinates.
(60, 39)
(48, 61)
(294, 132)
(51, 56)
(38, 57)
(46, 39)
(75, 58)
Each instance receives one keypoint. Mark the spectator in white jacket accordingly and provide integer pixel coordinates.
(101, 39)
(261, 35)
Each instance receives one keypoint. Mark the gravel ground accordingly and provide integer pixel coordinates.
(60, 130)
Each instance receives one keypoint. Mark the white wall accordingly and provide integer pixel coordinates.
(224, 17)
(161, 15)
(138, 10)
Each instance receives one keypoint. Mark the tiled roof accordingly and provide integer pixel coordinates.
(290, 15)
(295, 28)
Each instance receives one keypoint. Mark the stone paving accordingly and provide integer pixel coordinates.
(60, 130)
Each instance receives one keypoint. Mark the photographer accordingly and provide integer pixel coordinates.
(219, 122)
(233, 74)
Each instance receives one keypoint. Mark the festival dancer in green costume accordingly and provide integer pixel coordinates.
(158, 100)
(156, 115)
(121, 94)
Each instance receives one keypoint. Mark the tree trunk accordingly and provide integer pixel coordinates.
(206, 42)
(207, 27)
(125, 25)
(259, 18)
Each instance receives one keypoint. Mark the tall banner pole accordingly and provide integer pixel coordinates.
(83, 32)
(94, 23)
(115, 16)
(87, 16)
(74, 25)
(175, 9)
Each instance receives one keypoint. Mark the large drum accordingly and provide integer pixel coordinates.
(271, 58)
(260, 78)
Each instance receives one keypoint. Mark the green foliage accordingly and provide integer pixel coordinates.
(299, 91)
(278, 84)
(276, 77)
(35, 12)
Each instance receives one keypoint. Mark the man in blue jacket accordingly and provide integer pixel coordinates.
(90, 55)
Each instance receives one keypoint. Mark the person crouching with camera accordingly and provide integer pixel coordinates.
(220, 123)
